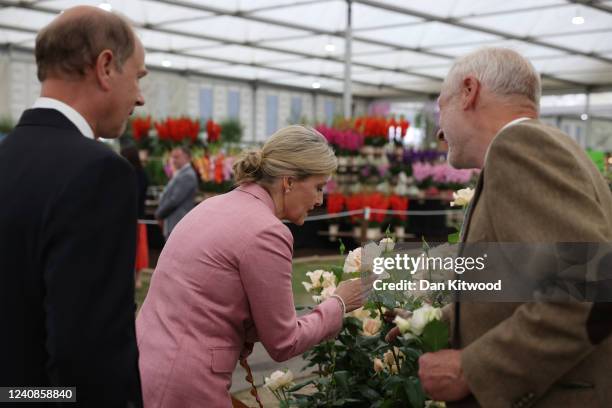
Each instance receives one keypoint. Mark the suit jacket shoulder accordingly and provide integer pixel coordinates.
(539, 185)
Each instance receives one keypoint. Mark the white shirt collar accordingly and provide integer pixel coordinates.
(512, 123)
(68, 111)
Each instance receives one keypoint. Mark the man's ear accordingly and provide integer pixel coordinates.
(104, 68)
(470, 92)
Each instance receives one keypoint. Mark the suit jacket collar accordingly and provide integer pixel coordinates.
(470, 209)
(259, 192)
(183, 169)
(68, 111)
(46, 117)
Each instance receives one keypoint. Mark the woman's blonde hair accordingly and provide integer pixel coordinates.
(296, 151)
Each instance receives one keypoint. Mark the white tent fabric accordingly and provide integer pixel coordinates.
(399, 47)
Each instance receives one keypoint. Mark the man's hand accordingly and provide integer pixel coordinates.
(442, 377)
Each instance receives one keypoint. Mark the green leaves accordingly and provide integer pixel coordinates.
(342, 379)
(338, 273)
(435, 336)
(414, 392)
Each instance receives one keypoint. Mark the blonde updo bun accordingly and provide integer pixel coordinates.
(292, 151)
(247, 169)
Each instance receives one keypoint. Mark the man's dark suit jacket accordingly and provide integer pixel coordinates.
(67, 245)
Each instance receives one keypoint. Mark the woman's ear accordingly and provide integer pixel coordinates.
(287, 183)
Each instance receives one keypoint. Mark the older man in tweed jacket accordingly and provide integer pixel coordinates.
(536, 186)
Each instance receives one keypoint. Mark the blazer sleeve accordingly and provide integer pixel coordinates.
(176, 194)
(542, 195)
(265, 270)
(88, 262)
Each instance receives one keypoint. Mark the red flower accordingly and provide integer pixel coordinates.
(399, 203)
(178, 130)
(335, 203)
(377, 201)
(353, 203)
(213, 130)
(140, 128)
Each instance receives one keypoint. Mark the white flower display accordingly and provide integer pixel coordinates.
(315, 280)
(329, 279)
(278, 379)
(414, 325)
(462, 197)
(325, 293)
(387, 244)
(371, 327)
(422, 316)
(352, 263)
(390, 361)
(360, 313)
(402, 324)
(378, 365)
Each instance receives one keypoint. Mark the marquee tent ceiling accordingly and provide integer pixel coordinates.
(400, 47)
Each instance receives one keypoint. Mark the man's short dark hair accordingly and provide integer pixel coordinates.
(69, 48)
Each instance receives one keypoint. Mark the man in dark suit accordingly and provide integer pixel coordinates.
(537, 186)
(68, 217)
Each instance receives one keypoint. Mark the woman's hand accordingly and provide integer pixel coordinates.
(355, 292)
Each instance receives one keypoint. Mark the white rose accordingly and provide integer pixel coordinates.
(378, 365)
(422, 316)
(371, 326)
(329, 279)
(315, 278)
(278, 379)
(387, 244)
(352, 263)
(308, 286)
(402, 324)
(325, 293)
(360, 313)
(389, 360)
(462, 197)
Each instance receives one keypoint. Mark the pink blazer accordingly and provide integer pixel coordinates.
(223, 278)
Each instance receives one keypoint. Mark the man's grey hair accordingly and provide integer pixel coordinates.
(502, 71)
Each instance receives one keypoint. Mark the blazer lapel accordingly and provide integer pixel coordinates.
(470, 209)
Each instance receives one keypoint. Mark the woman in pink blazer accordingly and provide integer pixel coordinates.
(223, 279)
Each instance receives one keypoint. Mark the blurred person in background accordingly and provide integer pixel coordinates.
(179, 195)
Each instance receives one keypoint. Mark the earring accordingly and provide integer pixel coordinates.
(287, 191)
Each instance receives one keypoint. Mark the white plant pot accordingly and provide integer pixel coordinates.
(367, 150)
(373, 233)
(357, 232)
(333, 232)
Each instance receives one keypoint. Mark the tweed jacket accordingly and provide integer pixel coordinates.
(537, 186)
